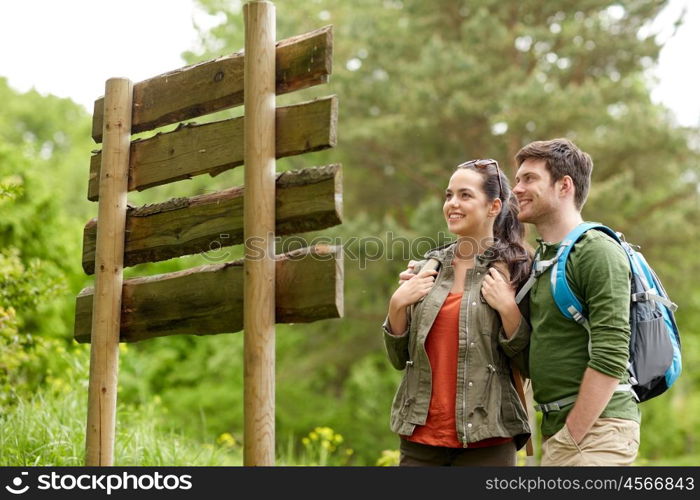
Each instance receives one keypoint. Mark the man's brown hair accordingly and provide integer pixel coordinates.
(562, 157)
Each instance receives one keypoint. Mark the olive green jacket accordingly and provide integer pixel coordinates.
(487, 404)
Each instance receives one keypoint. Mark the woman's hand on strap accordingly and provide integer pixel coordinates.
(413, 289)
(497, 292)
(408, 273)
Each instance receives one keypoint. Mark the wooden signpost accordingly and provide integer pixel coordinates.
(252, 294)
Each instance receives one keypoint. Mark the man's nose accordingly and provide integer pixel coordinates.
(517, 189)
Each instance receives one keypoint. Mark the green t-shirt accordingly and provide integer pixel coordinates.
(599, 275)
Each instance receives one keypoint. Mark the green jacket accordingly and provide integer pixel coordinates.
(487, 403)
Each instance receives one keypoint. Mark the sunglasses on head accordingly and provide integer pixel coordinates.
(485, 164)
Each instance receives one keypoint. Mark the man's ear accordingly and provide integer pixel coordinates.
(567, 186)
(496, 206)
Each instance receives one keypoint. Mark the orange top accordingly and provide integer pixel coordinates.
(441, 345)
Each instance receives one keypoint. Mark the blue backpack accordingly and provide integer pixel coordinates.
(655, 344)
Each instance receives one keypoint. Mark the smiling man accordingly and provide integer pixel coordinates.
(578, 372)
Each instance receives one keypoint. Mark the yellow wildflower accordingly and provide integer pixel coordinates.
(227, 440)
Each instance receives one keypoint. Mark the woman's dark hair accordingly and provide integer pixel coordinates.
(509, 246)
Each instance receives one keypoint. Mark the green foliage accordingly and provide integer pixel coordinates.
(389, 458)
(43, 142)
(47, 428)
(25, 286)
(422, 86)
(9, 189)
(38, 240)
(199, 380)
(671, 421)
(28, 362)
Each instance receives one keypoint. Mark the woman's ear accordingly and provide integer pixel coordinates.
(496, 206)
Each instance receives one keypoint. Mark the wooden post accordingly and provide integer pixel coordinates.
(104, 352)
(259, 228)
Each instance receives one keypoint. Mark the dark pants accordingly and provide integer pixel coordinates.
(417, 455)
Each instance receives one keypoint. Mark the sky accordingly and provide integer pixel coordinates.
(69, 48)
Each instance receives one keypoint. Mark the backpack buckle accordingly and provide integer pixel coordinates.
(547, 407)
(555, 405)
(576, 315)
(640, 297)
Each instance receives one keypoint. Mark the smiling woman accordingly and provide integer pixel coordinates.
(458, 402)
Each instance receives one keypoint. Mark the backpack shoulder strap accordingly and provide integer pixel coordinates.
(564, 297)
(539, 266)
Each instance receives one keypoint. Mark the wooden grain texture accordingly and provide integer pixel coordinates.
(301, 62)
(208, 299)
(259, 224)
(105, 318)
(212, 148)
(307, 200)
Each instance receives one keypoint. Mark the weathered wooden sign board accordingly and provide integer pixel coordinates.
(252, 294)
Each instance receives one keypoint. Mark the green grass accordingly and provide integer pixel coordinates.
(49, 430)
(682, 461)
